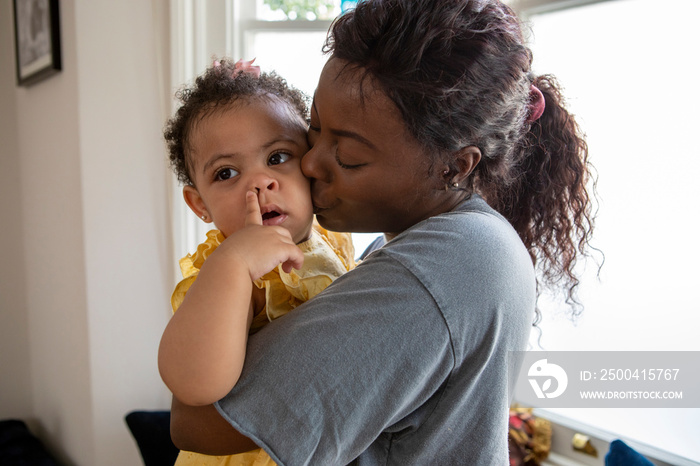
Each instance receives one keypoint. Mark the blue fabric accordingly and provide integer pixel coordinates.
(620, 454)
(151, 430)
(374, 245)
(19, 447)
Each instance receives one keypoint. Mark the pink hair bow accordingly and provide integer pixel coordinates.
(246, 67)
(242, 66)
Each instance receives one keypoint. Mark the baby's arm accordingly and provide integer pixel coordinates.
(203, 346)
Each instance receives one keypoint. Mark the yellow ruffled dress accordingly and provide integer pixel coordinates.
(327, 255)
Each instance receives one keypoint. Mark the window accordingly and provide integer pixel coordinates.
(628, 72)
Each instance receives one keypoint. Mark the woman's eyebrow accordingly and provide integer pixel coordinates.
(346, 133)
(353, 135)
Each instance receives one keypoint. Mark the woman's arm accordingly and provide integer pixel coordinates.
(203, 347)
(202, 429)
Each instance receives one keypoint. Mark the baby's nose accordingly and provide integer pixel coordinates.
(262, 182)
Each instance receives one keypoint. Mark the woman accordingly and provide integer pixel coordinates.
(427, 125)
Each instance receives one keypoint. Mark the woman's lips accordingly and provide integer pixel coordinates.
(320, 205)
(320, 208)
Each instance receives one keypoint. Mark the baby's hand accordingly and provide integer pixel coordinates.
(263, 247)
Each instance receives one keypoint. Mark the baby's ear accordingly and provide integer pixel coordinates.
(195, 203)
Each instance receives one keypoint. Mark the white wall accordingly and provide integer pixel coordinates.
(15, 399)
(86, 231)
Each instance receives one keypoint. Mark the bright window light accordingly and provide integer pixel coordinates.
(630, 76)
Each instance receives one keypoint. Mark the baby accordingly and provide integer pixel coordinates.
(236, 143)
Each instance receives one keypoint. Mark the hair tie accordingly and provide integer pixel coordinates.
(536, 105)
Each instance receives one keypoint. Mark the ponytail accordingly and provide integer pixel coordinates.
(548, 203)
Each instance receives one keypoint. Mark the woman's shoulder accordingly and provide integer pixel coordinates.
(472, 214)
(474, 267)
(470, 248)
(473, 227)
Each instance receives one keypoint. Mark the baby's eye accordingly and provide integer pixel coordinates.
(225, 174)
(278, 158)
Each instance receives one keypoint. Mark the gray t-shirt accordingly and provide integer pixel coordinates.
(402, 361)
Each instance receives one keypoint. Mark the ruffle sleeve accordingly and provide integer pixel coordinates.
(192, 263)
(327, 256)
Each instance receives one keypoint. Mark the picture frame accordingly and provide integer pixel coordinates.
(37, 40)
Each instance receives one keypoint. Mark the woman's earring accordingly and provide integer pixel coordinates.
(445, 173)
(204, 218)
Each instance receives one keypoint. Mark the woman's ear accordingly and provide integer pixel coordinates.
(196, 203)
(466, 160)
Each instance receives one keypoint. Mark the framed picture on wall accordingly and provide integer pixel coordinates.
(37, 40)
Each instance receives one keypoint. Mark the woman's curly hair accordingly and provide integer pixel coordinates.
(460, 74)
(219, 87)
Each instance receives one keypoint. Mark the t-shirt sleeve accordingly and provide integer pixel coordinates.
(323, 382)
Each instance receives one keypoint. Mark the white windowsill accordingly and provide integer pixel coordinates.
(563, 454)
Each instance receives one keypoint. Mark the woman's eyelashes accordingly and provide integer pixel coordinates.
(347, 166)
(312, 136)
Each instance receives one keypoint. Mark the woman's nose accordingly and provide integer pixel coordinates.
(311, 163)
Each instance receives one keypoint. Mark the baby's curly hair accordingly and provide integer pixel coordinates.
(219, 87)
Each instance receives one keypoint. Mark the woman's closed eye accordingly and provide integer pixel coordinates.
(347, 166)
(224, 174)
